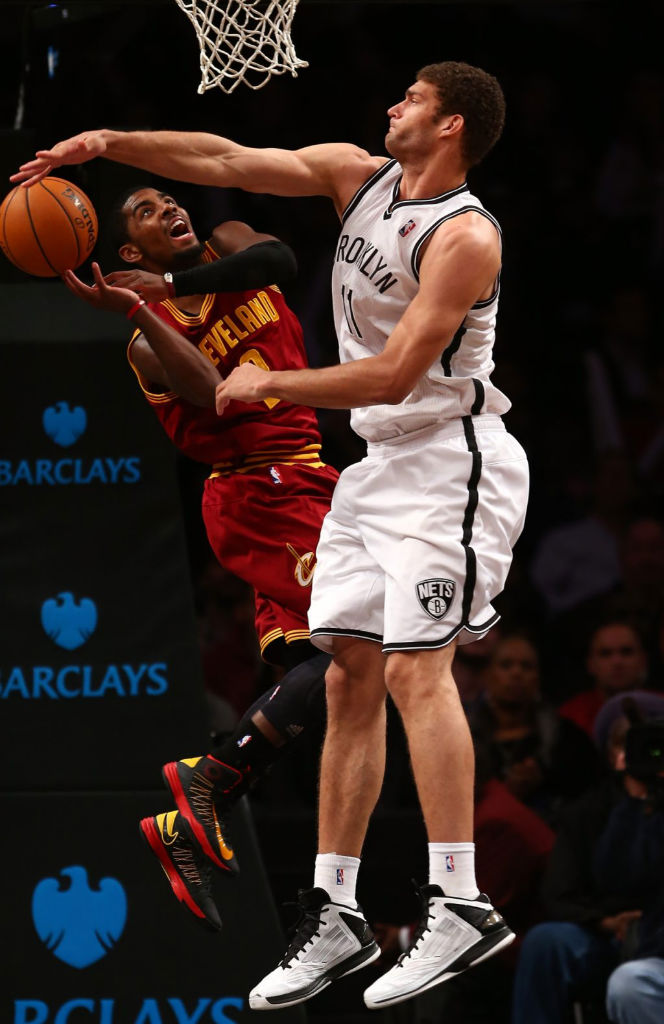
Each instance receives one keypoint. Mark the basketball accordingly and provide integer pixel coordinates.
(47, 228)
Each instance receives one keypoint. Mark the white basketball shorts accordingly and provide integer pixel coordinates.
(419, 538)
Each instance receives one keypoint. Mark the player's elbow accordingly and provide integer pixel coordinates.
(395, 395)
(393, 389)
(393, 379)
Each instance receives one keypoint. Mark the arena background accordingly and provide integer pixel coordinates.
(123, 645)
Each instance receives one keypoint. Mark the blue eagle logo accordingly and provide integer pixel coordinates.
(64, 425)
(77, 923)
(67, 623)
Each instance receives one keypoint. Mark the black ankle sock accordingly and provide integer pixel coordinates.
(249, 752)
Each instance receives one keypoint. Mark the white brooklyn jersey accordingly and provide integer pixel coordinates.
(376, 276)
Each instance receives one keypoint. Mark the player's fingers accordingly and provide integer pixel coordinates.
(120, 279)
(220, 399)
(98, 276)
(77, 286)
(30, 174)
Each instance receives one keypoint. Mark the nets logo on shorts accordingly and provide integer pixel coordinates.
(436, 596)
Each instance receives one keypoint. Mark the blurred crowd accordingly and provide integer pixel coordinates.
(569, 816)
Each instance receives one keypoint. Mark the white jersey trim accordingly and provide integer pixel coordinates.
(414, 262)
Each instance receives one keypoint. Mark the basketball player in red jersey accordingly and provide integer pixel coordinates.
(211, 307)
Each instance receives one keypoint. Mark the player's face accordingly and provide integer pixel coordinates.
(413, 122)
(159, 228)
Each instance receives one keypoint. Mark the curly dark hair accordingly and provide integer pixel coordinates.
(477, 96)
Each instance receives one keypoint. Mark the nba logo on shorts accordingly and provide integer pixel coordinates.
(449, 862)
(340, 876)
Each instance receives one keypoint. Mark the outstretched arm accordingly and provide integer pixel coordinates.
(335, 170)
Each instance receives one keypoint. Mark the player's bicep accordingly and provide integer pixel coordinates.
(335, 170)
(459, 267)
(454, 272)
(147, 366)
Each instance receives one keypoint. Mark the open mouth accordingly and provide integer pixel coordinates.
(178, 228)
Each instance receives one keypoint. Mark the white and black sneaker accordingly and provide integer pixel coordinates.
(330, 940)
(453, 935)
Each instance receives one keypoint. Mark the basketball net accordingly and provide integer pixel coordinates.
(243, 41)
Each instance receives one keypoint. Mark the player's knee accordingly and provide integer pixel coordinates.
(351, 699)
(410, 681)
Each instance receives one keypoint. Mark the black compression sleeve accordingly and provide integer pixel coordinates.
(256, 267)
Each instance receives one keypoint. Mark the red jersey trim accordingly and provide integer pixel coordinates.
(190, 319)
(309, 456)
(291, 636)
(154, 397)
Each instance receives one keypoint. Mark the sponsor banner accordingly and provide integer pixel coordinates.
(99, 664)
(100, 937)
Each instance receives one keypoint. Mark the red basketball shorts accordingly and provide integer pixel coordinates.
(263, 525)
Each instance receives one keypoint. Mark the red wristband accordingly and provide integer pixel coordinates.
(135, 308)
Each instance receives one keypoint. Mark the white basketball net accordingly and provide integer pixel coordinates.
(243, 41)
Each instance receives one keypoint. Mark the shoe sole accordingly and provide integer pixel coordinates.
(340, 971)
(447, 975)
(151, 836)
(172, 781)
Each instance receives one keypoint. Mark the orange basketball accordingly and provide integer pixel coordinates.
(47, 228)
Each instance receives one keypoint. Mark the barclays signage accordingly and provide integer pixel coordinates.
(146, 1011)
(79, 924)
(80, 921)
(70, 622)
(64, 426)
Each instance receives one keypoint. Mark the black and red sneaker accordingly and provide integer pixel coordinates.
(197, 784)
(188, 872)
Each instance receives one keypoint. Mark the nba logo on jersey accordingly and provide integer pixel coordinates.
(408, 226)
(340, 876)
(449, 862)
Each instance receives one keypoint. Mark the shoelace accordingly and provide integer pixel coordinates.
(422, 927)
(200, 798)
(196, 870)
(304, 931)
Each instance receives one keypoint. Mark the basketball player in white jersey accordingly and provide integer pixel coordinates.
(419, 538)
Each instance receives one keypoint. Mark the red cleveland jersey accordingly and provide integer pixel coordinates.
(232, 328)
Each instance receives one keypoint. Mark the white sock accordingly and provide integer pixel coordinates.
(338, 876)
(452, 867)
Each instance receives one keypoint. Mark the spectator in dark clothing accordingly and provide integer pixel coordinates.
(604, 889)
(542, 759)
(616, 663)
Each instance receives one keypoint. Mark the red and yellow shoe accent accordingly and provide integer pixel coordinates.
(194, 782)
(188, 877)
